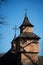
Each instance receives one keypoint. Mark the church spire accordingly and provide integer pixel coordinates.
(26, 21)
(15, 28)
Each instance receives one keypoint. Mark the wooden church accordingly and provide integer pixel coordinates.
(24, 48)
(26, 45)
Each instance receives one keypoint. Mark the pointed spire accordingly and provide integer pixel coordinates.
(26, 21)
(15, 28)
(15, 36)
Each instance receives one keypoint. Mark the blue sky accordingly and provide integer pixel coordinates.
(14, 12)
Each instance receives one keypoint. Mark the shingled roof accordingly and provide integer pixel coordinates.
(26, 22)
(29, 35)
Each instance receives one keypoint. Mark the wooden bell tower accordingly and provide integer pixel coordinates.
(26, 45)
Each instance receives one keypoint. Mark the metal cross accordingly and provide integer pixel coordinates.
(15, 28)
(26, 12)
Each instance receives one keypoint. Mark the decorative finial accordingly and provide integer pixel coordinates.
(15, 28)
(26, 12)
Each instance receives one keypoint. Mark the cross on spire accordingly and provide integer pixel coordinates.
(15, 28)
(26, 12)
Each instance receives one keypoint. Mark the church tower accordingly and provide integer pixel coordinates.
(26, 44)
